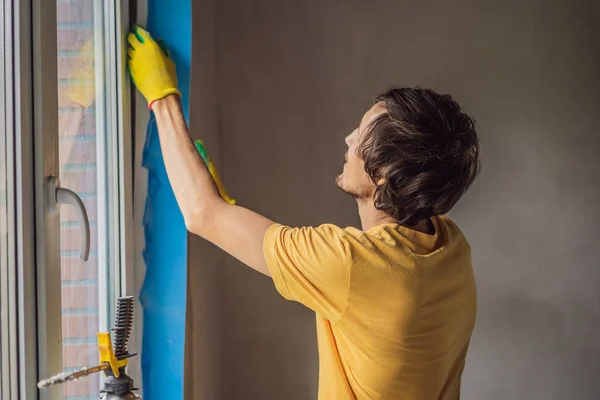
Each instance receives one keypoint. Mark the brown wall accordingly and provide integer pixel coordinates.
(293, 78)
(203, 322)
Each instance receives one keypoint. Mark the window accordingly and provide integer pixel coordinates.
(64, 129)
(87, 167)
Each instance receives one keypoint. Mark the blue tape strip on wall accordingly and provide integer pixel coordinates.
(163, 294)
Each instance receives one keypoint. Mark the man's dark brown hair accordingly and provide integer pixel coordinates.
(424, 149)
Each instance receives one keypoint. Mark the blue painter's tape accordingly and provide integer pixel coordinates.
(163, 295)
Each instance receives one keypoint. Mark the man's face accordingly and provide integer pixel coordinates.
(354, 179)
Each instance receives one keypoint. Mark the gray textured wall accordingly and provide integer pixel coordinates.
(293, 78)
(203, 319)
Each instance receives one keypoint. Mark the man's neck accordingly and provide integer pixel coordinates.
(370, 216)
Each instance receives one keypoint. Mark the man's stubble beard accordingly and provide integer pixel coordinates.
(353, 193)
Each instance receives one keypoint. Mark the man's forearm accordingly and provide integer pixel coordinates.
(191, 181)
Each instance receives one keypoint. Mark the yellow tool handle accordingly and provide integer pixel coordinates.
(107, 354)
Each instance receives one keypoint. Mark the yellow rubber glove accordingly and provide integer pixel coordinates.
(152, 69)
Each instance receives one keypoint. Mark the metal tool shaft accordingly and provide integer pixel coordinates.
(69, 376)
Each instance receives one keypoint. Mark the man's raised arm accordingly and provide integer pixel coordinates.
(236, 230)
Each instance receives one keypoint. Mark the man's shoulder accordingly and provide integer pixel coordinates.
(346, 240)
(349, 234)
(326, 229)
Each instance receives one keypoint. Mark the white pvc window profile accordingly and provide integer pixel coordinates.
(8, 266)
(35, 333)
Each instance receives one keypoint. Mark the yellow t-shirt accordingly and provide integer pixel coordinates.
(395, 307)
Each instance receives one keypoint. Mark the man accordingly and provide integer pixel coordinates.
(395, 301)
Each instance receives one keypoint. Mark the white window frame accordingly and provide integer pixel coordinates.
(8, 271)
(36, 134)
(25, 204)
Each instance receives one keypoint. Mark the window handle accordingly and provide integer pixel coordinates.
(58, 196)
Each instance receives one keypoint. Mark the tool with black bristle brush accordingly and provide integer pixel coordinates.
(113, 358)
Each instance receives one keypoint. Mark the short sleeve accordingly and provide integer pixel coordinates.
(310, 265)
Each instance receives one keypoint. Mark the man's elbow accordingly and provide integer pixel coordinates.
(196, 220)
(201, 217)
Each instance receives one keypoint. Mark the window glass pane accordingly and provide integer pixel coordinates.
(84, 168)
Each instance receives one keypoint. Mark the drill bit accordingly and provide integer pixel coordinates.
(69, 376)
